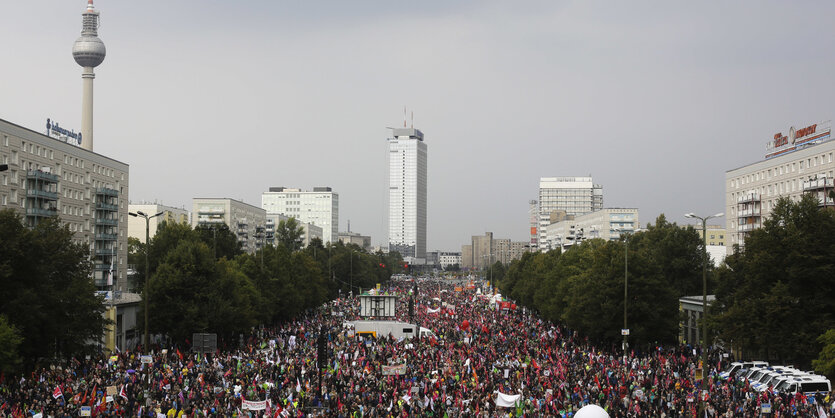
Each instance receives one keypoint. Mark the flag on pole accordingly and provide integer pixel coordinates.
(110, 273)
(57, 393)
(123, 393)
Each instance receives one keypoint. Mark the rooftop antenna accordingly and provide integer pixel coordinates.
(413, 119)
(404, 116)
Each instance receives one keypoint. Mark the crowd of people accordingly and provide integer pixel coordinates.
(482, 361)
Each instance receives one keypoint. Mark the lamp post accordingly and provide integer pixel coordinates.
(704, 286)
(352, 273)
(625, 331)
(147, 267)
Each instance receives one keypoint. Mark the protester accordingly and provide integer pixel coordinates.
(481, 356)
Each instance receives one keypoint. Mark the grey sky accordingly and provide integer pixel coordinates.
(656, 100)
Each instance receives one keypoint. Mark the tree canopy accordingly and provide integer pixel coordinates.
(202, 283)
(776, 296)
(584, 287)
(49, 300)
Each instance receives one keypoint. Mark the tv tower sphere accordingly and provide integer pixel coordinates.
(88, 50)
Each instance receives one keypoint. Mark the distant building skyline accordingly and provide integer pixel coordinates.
(245, 221)
(136, 225)
(319, 207)
(573, 195)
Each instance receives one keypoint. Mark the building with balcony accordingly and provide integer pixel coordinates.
(49, 177)
(606, 224)
(247, 222)
(797, 163)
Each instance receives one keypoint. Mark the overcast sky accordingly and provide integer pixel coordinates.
(655, 100)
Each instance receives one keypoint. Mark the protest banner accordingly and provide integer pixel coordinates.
(395, 369)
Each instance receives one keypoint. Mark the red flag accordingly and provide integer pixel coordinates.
(179, 354)
(57, 393)
(93, 396)
(123, 393)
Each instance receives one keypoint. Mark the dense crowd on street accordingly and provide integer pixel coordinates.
(477, 354)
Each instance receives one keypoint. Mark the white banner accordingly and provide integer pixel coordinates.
(430, 310)
(505, 400)
(254, 405)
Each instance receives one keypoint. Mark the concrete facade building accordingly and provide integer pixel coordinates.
(407, 190)
(797, 163)
(573, 195)
(87, 191)
(467, 257)
(136, 225)
(363, 241)
(605, 223)
(446, 259)
(319, 207)
(484, 251)
(244, 220)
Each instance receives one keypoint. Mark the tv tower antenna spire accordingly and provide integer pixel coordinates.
(88, 51)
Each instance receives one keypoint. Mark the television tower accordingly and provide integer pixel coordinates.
(88, 51)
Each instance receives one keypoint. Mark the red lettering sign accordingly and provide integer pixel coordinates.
(809, 130)
(780, 140)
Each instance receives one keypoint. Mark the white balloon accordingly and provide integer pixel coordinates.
(591, 411)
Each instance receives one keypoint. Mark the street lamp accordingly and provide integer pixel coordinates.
(147, 266)
(352, 273)
(625, 331)
(704, 287)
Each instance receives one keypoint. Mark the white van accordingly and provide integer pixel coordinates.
(738, 365)
(808, 385)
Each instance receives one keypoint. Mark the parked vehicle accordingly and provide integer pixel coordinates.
(396, 329)
(739, 365)
(806, 384)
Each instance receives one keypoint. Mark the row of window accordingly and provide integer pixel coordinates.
(783, 169)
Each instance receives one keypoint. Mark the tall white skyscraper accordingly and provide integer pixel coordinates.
(573, 195)
(407, 193)
(319, 207)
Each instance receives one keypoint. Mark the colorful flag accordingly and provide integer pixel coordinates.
(123, 393)
(57, 393)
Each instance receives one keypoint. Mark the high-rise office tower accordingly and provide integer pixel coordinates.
(407, 193)
(561, 197)
(88, 52)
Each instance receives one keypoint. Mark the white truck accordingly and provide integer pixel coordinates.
(396, 329)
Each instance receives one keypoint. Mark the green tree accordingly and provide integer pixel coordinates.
(136, 258)
(180, 291)
(10, 340)
(48, 295)
(288, 233)
(218, 237)
(677, 252)
(776, 294)
(825, 363)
